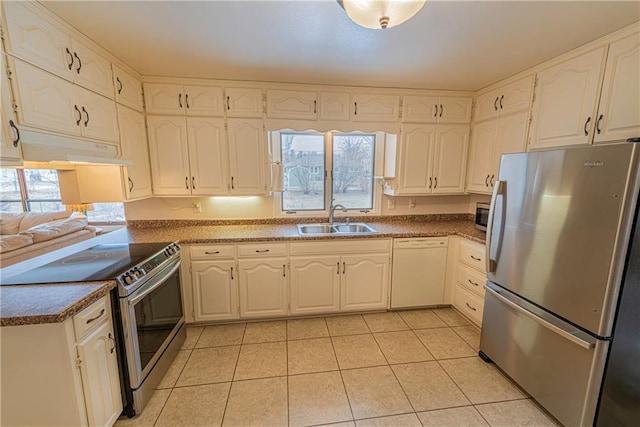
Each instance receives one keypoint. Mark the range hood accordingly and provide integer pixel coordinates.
(41, 147)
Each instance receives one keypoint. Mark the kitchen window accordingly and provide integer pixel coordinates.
(38, 190)
(320, 167)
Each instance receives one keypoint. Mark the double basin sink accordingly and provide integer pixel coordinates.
(334, 229)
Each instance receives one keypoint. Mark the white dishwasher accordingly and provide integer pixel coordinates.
(418, 276)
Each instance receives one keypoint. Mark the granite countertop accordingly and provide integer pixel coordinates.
(51, 303)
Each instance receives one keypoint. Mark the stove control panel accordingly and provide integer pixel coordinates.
(139, 271)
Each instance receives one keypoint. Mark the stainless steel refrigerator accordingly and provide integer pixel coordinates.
(560, 225)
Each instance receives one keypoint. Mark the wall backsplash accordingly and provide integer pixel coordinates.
(263, 207)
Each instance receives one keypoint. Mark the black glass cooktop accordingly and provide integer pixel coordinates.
(102, 262)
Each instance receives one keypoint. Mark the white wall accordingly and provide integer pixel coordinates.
(263, 207)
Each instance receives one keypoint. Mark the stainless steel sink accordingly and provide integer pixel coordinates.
(335, 229)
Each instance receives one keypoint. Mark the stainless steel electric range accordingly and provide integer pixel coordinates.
(147, 306)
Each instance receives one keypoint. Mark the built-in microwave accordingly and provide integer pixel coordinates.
(482, 216)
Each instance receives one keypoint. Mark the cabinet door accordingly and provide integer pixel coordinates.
(289, 104)
(335, 106)
(243, 102)
(416, 151)
(420, 109)
(10, 151)
(455, 110)
(619, 110)
(516, 96)
(37, 41)
(376, 108)
(100, 376)
(263, 287)
(365, 282)
(204, 101)
(128, 89)
(450, 159)
(247, 156)
(46, 101)
(99, 116)
(214, 290)
(169, 155)
(207, 155)
(315, 284)
(511, 134)
(163, 98)
(566, 95)
(133, 143)
(91, 71)
(481, 157)
(487, 106)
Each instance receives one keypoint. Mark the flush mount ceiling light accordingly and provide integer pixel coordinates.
(381, 14)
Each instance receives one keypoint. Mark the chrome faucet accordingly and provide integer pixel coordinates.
(333, 208)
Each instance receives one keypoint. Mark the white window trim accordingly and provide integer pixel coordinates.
(378, 159)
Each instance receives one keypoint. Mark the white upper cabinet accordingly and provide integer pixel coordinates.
(207, 154)
(247, 156)
(619, 108)
(169, 155)
(10, 150)
(565, 102)
(38, 41)
(243, 102)
(128, 89)
(507, 99)
(433, 109)
(289, 104)
(415, 151)
(450, 151)
(191, 100)
(133, 143)
(375, 108)
(99, 116)
(335, 106)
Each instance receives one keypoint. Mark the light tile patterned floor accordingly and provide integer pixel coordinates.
(407, 368)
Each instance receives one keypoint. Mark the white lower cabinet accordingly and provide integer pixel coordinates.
(315, 284)
(215, 290)
(365, 282)
(62, 373)
(263, 287)
(470, 277)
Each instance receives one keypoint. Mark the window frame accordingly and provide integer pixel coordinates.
(378, 159)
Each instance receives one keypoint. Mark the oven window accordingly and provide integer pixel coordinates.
(156, 316)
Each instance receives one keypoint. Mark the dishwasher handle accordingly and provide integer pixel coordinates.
(417, 244)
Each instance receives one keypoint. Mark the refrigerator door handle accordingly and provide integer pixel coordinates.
(497, 190)
(553, 328)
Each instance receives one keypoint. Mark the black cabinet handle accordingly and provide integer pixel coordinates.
(491, 179)
(441, 109)
(474, 258)
(284, 274)
(228, 105)
(193, 182)
(435, 180)
(186, 182)
(232, 187)
(70, 64)
(338, 268)
(75, 107)
(486, 181)
(97, 317)
(186, 99)
(586, 131)
(598, 124)
(355, 112)
(86, 122)
(430, 182)
(180, 100)
(114, 343)
(130, 185)
(258, 251)
(315, 106)
(435, 110)
(211, 253)
(119, 85)
(75, 55)
(470, 306)
(501, 98)
(495, 104)
(231, 273)
(344, 268)
(15, 141)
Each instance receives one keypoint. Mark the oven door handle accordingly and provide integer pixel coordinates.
(168, 271)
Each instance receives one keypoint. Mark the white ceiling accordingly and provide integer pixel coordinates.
(447, 45)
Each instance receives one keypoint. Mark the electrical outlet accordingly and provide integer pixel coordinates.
(412, 202)
(197, 207)
(391, 203)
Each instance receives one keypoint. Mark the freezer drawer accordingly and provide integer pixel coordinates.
(558, 366)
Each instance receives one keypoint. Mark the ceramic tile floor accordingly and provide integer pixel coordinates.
(407, 368)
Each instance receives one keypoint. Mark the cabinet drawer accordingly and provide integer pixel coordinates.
(471, 279)
(89, 318)
(469, 304)
(212, 252)
(472, 254)
(262, 250)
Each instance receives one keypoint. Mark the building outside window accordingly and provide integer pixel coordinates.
(38, 190)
